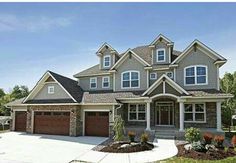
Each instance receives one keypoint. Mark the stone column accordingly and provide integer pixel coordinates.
(218, 115)
(29, 128)
(181, 116)
(148, 116)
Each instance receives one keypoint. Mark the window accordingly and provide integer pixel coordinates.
(170, 75)
(106, 82)
(50, 89)
(160, 55)
(153, 76)
(130, 79)
(194, 112)
(137, 112)
(93, 83)
(107, 61)
(195, 75)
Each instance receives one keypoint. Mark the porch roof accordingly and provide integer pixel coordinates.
(208, 93)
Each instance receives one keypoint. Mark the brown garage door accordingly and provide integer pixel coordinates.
(55, 123)
(97, 123)
(20, 120)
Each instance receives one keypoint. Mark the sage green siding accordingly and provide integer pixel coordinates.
(161, 45)
(197, 58)
(159, 74)
(106, 53)
(59, 93)
(128, 65)
(84, 83)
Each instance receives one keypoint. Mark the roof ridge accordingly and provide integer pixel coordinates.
(51, 72)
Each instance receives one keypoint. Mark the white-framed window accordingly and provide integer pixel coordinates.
(137, 112)
(107, 61)
(153, 75)
(130, 79)
(195, 75)
(50, 89)
(160, 55)
(195, 112)
(105, 82)
(170, 74)
(93, 83)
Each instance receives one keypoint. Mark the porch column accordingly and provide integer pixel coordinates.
(181, 116)
(148, 116)
(218, 115)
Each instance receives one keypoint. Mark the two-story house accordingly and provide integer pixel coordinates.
(149, 86)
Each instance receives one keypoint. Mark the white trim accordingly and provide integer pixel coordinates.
(137, 112)
(175, 74)
(160, 49)
(169, 81)
(108, 77)
(104, 57)
(122, 59)
(169, 54)
(130, 79)
(114, 81)
(152, 74)
(165, 94)
(94, 82)
(147, 78)
(90, 75)
(51, 91)
(218, 77)
(103, 45)
(158, 37)
(194, 113)
(195, 75)
(164, 87)
(183, 54)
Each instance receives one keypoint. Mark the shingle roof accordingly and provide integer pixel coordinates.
(208, 93)
(70, 85)
(15, 102)
(108, 96)
(92, 70)
(49, 101)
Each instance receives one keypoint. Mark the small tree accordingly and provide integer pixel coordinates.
(118, 128)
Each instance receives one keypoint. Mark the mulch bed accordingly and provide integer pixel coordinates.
(115, 147)
(216, 155)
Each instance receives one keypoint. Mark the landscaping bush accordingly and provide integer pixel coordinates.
(131, 135)
(219, 139)
(192, 134)
(233, 141)
(197, 146)
(208, 138)
(144, 138)
(118, 128)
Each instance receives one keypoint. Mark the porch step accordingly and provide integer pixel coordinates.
(165, 134)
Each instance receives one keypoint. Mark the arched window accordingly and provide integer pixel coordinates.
(130, 79)
(195, 75)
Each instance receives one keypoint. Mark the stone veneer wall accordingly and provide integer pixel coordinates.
(75, 116)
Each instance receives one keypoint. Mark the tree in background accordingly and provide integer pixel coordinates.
(228, 85)
(17, 93)
(2, 93)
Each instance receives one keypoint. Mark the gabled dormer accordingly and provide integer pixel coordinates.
(162, 49)
(107, 56)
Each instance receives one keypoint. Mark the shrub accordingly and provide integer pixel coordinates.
(192, 134)
(144, 138)
(208, 138)
(118, 128)
(219, 139)
(131, 135)
(197, 146)
(233, 141)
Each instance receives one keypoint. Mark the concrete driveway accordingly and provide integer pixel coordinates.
(16, 147)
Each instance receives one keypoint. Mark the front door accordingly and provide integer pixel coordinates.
(164, 113)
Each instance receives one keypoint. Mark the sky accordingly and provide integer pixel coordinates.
(64, 37)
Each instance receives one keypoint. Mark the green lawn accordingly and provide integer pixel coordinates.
(187, 160)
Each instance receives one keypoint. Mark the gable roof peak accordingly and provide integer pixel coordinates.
(161, 36)
(107, 46)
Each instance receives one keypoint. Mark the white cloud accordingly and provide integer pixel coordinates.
(10, 22)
